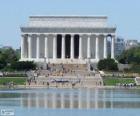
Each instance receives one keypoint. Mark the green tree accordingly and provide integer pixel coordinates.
(107, 64)
(131, 56)
(7, 57)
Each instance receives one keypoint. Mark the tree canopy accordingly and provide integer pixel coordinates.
(107, 64)
(7, 56)
(9, 60)
(130, 56)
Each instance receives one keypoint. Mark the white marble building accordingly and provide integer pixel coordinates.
(66, 39)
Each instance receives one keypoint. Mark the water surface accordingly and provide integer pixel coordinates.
(72, 102)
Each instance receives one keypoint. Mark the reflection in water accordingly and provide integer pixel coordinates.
(71, 99)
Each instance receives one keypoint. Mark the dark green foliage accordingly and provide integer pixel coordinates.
(131, 56)
(9, 60)
(107, 64)
(7, 56)
(2, 64)
(23, 65)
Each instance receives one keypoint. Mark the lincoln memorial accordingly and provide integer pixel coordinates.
(66, 39)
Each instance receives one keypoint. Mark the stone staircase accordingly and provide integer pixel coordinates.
(93, 81)
(69, 81)
(68, 75)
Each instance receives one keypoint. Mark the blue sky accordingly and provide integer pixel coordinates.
(125, 14)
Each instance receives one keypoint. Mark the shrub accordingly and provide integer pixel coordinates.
(23, 65)
(107, 64)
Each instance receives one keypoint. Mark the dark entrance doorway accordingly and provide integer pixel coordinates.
(76, 46)
(59, 43)
(67, 46)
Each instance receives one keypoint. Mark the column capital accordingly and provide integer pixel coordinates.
(72, 35)
(101, 34)
(88, 35)
(23, 35)
(41, 34)
(110, 35)
(32, 35)
(46, 35)
(80, 35)
(54, 35)
(37, 35)
(113, 36)
(63, 35)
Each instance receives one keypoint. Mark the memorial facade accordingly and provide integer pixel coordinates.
(66, 39)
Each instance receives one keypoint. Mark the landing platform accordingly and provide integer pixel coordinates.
(62, 61)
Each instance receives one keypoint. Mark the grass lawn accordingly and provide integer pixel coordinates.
(16, 80)
(112, 81)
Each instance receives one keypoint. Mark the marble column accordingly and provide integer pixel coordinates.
(22, 46)
(80, 47)
(46, 46)
(112, 47)
(37, 47)
(54, 47)
(88, 47)
(72, 47)
(29, 46)
(97, 48)
(63, 47)
(105, 47)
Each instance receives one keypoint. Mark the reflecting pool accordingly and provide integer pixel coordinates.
(72, 102)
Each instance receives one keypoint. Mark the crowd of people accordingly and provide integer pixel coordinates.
(58, 70)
